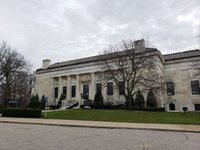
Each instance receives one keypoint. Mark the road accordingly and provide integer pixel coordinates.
(42, 137)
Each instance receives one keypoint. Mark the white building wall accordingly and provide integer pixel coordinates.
(178, 71)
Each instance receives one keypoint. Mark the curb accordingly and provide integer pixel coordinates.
(103, 127)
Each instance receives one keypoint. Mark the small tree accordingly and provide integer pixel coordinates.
(151, 99)
(42, 102)
(98, 99)
(34, 102)
(139, 100)
(37, 100)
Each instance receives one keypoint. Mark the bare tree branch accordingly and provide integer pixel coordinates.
(128, 62)
(13, 67)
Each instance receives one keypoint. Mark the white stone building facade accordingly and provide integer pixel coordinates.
(81, 78)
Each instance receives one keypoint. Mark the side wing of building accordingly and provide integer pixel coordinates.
(182, 86)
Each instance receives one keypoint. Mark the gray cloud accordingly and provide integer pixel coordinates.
(62, 30)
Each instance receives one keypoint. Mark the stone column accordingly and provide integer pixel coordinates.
(68, 88)
(78, 97)
(51, 97)
(59, 87)
(104, 90)
(92, 87)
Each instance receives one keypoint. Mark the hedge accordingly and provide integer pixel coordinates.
(93, 106)
(28, 113)
(150, 109)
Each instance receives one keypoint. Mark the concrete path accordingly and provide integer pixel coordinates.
(101, 124)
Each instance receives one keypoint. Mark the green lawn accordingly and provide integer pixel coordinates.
(127, 116)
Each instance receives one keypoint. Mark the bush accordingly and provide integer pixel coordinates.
(139, 100)
(107, 106)
(151, 99)
(34, 102)
(1, 107)
(29, 113)
(98, 99)
(53, 107)
(42, 102)
(150, 109)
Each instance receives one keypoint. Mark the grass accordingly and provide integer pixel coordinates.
(127, 116)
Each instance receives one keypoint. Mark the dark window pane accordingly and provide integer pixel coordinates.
(98, 88)
(121, 88)
(197, 107)
(64, 91)
(109, 88)
(170, 88)
(172, 106)
(86, 91)
(195, 87)
(73, 91)
(56, 92)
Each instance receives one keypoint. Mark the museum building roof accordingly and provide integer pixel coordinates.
(165, 57)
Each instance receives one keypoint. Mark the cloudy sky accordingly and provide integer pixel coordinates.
(61, 30)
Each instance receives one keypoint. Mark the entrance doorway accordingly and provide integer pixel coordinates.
(85, 91)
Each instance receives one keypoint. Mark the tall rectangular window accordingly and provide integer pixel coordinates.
(56, 92)
(65, 91)
(110, 88)
(170, 88)
(73, 91)
(98, 88)
(195, 87)
(121, 88)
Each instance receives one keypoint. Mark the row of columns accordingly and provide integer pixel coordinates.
(79, 86)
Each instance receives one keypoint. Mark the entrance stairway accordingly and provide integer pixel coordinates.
(70, 104)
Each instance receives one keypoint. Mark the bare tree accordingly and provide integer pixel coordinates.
(129, 63)
(22, 87)
(12, 66)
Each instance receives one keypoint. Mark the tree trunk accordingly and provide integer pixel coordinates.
(129, 105)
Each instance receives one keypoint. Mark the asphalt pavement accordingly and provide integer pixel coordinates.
(44, 137)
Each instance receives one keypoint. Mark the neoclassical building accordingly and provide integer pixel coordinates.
(81, 78)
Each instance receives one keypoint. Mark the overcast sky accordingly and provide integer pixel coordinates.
(62, 30)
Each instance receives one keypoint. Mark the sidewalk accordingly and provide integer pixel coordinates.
(101, 124)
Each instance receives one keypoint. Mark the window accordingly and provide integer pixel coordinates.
(73, 91)
(109, 88)
(56, 92)
(197, 107)
(64, 91)
(85, 91)
(121, 88)
(170, 88)
(195, 87)
(98, 88)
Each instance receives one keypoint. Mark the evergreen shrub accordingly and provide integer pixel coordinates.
(139, 100)
(151, 99)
